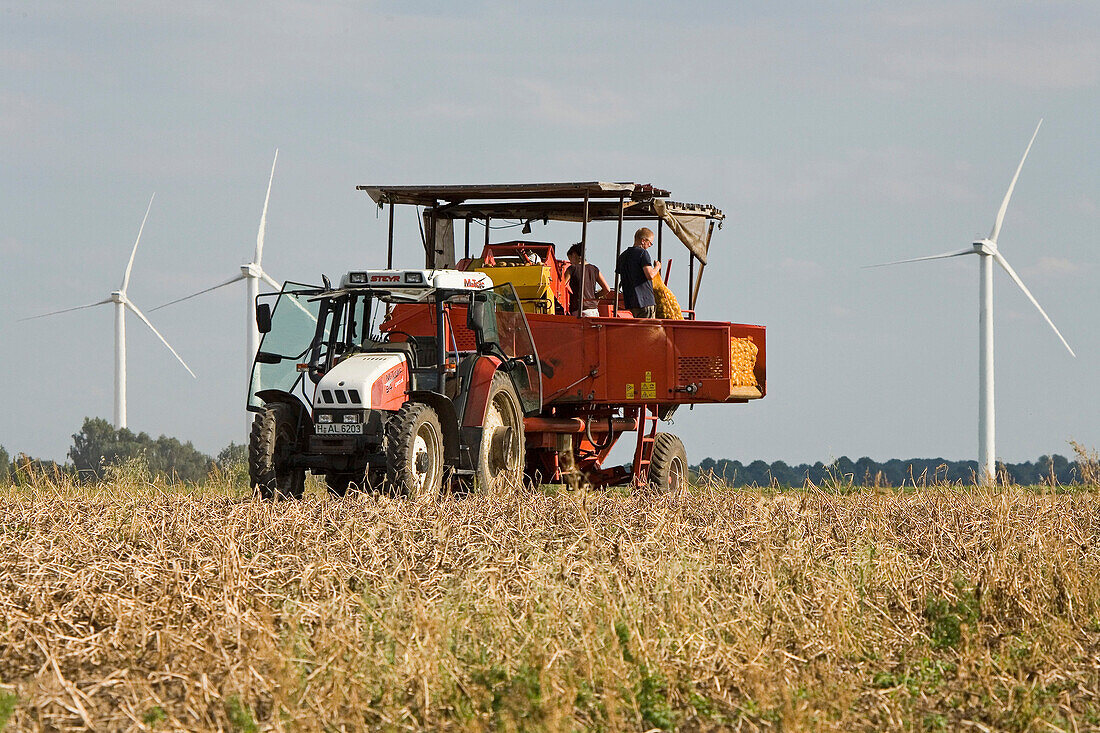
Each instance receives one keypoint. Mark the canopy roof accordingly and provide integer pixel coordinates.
(434, 195)
(559, 202)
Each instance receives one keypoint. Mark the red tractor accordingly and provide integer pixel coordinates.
(580, 383)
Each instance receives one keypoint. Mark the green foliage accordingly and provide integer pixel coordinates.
(98, 445)
(7, 707)
(846, 473)
(652, 697)
(947, 617)
(232, 456)
(5, 466)
(240, 716)
(516, 698)
(154, 716)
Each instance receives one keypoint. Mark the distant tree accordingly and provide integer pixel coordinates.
(26, 470)
(758, 473)
(99, 445)
(5, 466)
(234, 455)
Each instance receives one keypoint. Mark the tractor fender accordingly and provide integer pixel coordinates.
(305, 421)
(448, 420)
(476, 396)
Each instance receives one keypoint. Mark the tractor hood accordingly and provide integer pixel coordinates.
(375, 381)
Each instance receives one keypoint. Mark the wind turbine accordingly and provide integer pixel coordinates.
(122, 302)
(251, 273)
(987, 250)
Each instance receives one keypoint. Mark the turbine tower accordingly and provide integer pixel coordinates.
(251, 273)
(122, 302)
(988, 252)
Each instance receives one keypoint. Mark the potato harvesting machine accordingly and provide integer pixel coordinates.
(472, 371)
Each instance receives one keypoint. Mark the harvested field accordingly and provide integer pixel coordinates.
(130, 607)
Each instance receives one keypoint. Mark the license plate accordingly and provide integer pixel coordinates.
(339, 429)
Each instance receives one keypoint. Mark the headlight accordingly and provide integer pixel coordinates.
(357, 278)
(351, 418)
(324, 418)
(414, 278)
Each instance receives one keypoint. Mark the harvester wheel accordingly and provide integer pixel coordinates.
(274, 435)
(501, 456)
(668, 469)
(414, 451)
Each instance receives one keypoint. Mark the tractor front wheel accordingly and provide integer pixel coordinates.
(274, 436)
(414, 451)
(501, 456)
(668, 469)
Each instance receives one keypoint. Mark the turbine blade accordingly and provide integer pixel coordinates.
(263, 217)
(1012, 273)
(66, 310)
(230, 281)
(1004, 204)
(130, 264)
(270, 280)
(958, 253)
(152, 328)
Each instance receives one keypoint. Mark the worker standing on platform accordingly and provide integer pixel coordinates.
(637, 270)
(592, 277)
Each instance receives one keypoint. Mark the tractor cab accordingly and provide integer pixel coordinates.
(309, 331)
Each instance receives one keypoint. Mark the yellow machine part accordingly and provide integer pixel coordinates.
(532, 284)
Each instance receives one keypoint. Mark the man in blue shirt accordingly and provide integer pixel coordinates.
(636, 270)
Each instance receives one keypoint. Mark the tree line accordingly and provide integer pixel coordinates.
(1047, 469)
(99, 446)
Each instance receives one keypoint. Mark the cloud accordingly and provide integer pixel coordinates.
(572, 107)
(1055, 268)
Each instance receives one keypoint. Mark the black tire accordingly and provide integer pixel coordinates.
(274, 436)
(668, 467)
(502, 452)
(414, 452)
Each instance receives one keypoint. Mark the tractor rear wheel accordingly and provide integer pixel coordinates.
(501, 455)
(668, 469)
(414, 451)
(274, 436)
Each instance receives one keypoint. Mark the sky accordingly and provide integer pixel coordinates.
(834, 135)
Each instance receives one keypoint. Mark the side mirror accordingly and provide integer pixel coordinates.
(263, 317)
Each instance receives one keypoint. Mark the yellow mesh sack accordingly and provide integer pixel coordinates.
(667, 305)
(742, 361)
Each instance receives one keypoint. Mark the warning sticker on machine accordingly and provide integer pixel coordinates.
(649, 390)
(630, 391)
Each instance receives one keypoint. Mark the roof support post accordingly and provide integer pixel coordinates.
(584, 260)
(691, 280)
(702, 266)
(660, 231)
(467, 238)
(487, 220)
(431, 238)
(618, 252)
(389, 242)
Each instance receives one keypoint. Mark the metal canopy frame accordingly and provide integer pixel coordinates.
(582, 201)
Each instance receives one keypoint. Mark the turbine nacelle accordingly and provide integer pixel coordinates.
(118, 296)
(252, 270)
(984, 247)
